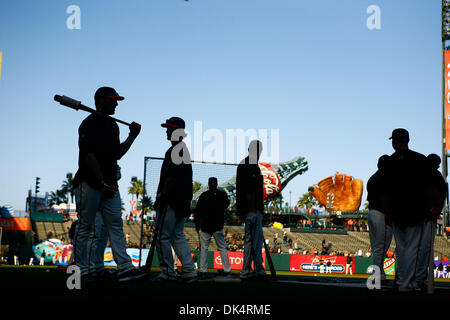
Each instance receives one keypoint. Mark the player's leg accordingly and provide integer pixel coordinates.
(407, 239)
(219, 237)
(428, 233)
(205, 239)
(112, 218)
(248, 256)
(163, 243)
(258, 238)
(377, 235)
(100, 240)
(181, 247)
(88, 201)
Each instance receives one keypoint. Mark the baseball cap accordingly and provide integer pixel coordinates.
(107, 92)
(174, 122)
(400, 135)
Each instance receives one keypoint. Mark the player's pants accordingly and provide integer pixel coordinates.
(89, 201)
(98, 241)
(380, 238)
(407, 239)
(205, 239)
(348, 269)
(171, 236)
(428, 234)
(253, 242)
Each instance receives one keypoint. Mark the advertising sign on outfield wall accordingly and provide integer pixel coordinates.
(236, 260)
(312, 263)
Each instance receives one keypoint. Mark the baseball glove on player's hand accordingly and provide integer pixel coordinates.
(338, 193)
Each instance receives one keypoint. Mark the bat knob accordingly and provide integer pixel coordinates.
(68, 102)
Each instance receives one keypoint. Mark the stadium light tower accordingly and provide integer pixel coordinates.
(445, 35)
(36, 191)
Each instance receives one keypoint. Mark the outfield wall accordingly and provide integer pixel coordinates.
(281, 262)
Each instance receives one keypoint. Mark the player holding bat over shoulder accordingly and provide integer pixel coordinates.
(95, 183)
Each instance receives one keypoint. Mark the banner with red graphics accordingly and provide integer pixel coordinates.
(317, 264)
(272, 182)
(18, 224)
(447, 99)
(236, 260)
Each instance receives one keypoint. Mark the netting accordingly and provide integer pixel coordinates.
(202, 171)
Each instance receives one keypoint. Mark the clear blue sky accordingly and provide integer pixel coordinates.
(311, 69)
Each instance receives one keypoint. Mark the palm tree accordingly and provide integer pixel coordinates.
(196, 186)
(57, 197)
(308, 201)
(67, 186)
(146, 203)
(52, 198)
(136, 188)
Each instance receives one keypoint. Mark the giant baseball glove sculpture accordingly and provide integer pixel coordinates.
(338, 193)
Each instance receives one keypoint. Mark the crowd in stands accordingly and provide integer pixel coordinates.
(291, 247)
(235, 242)
(148, 231)
(350, 225)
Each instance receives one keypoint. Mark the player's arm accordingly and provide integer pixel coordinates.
(135, 129)
(91, 163)
(226, 200)
(86, 138)
(198, 211)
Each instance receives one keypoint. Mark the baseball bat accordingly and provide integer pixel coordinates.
(430, 282)
(269, 261)
(76, 105)
(159, 221)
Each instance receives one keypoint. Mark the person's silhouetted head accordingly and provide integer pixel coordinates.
(400, 139)
(254, 151)
(174, 129)
(106, 100)
(212, 183)
(382, 161)
(434, 160)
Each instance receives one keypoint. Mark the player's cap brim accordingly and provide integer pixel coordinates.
(169, 125)
(116, 97)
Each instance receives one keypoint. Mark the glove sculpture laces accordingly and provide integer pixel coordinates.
(339, 192)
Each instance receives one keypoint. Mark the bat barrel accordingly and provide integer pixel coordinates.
(75, 104)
